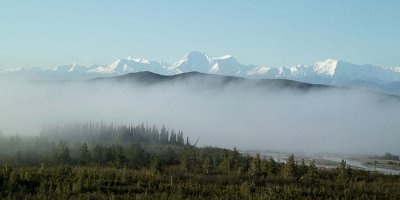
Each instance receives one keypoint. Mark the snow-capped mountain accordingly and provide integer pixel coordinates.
(330, 72)
(396, 69)
(201, 62)
(131, 64)
(72, 69)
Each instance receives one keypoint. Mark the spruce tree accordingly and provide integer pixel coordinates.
(273, 166)
(342, 172)
(312, 170)
(84, 155)
(62, 153)
(302, 168)
(289, 169)
(207, 165)
(98, 153)
(255, 166)
(119, 154)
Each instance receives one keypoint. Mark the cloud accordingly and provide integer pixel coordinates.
(247, 116)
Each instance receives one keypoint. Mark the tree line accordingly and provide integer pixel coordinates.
(52, 167)
(110, 132)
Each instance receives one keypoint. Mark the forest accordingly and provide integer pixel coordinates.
(98, 160)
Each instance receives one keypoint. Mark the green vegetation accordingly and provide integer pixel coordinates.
(137, 162)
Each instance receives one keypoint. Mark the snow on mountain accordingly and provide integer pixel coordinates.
(331, 72)
(347, 72)
(12, 70)
(201, 62)
(193, 61)
(130, 64)
(325, 68)
(334, 72)
(73, 68)
(396, 69)
(269, 72)
(258, 71)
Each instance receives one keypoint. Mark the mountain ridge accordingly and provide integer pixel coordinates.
(327, 72)
(205, 80)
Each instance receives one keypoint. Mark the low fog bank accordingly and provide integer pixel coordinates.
(235, 115)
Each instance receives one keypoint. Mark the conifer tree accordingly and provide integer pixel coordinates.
(342, 172)
(172, 138)
(273, 166)
(155, 165)
(207, 165)
(84, 155)
(180, 139)
(289, 169)
(119, 154)
(188, 159)
(312, 170)
(302, 168)
(255, 166)
(62, 153)
(97, 153)
(137, 155)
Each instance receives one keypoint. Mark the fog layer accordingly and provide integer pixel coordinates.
(235, 115)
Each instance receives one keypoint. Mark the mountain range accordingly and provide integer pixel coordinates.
(328, 72)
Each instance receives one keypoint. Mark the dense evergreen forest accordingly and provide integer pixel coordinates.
(110, 161)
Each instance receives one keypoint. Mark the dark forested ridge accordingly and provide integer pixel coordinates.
(201, 78)
(102, 161)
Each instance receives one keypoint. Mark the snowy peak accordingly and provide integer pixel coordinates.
(331, 72)
(228, 65)
(193, 61)
(258, 71)
(225, 59)
(138, 60)
(396, 69)
(196, 56)
(130, 64)
(73, 68)
(325, 68)
(201, 62)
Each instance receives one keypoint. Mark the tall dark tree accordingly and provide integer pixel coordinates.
(342, 172)
(312, 170)
(255, 166)
(188, 160)
(109, 154)
(137, 156)
(97, 153)
(172, 138)
(207, 165)
(119, 154)
(62, 153)
(302, 169)
(84, 154)
(273, 166)
(289, 169)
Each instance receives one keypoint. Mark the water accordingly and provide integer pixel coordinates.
(282, 157)
(359, 165)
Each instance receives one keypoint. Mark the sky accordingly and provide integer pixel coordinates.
(48, 33)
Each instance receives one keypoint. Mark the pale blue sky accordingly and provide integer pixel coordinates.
(272, 33)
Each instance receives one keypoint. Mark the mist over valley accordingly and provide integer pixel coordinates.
(220, 111)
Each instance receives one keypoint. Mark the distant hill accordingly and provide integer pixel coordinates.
(327, 72)
(209, 80)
